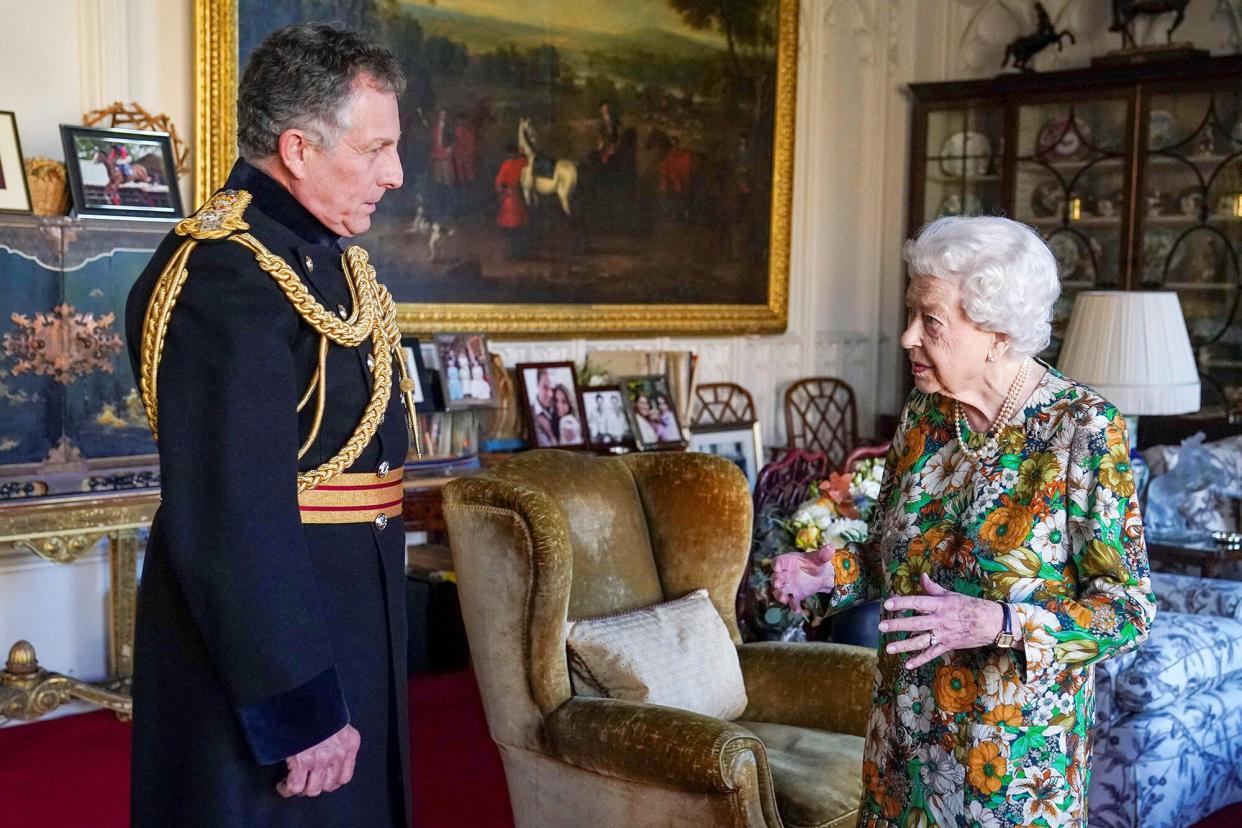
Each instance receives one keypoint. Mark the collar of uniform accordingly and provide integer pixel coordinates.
(274, 201)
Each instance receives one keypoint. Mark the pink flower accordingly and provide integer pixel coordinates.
(796, 577)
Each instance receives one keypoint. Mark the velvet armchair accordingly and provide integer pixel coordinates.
(551, 536)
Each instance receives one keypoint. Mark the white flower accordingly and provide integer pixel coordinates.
(845, 530)
(1045, 787)
(998, 688)
(979, 815)
(869, 489)
(815, 512)
(941, 772)
(914, 708)
(947, 469)
(1049, 540)
(1106, 507)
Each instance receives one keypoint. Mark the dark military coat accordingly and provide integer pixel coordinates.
(258, 636)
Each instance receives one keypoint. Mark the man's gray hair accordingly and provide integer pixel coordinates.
(1004, 270)
(302, 77)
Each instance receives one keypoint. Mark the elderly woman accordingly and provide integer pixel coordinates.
(1006, 544)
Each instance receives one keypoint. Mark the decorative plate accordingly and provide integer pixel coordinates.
(1061, 140)
(965, 153)
(1068, 254)
(1158, 246)
(955, 205)
(1048, 199)
(1161, 129)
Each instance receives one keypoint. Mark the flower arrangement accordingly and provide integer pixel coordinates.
(801, 557)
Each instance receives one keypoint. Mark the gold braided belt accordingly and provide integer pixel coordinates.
(353, 497)
(374, 317)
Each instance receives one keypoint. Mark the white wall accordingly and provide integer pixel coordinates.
(60, 58)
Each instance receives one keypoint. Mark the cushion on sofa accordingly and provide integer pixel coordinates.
(1185, 654)
(817, 775)
(676, 654)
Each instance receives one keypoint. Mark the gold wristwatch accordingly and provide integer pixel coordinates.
(1004, 639)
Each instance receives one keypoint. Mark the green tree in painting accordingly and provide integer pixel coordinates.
(744, 23)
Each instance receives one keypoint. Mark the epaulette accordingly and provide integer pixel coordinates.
(220, 217)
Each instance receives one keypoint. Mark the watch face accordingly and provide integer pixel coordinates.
(1004, 640)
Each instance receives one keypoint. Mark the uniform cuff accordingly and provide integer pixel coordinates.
(287, 723)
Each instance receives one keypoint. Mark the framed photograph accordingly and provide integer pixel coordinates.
(549, 394)
(740, 442)
(14, 194)
(423, 399)
(599, 169)
(121, 173)
(652, 414)
(607, 423)
(465, 371)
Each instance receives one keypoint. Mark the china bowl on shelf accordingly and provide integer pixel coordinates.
(955, 205)
(1160, 246)
(1108, 205)
(1048, 199)
(1063, 139)
(1190, 201)
(965, 153)
(1161, 129)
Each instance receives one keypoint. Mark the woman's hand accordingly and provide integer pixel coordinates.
(947, 619)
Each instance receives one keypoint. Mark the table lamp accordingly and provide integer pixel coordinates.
(1132, 347)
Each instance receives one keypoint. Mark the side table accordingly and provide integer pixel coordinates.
(1204, 553)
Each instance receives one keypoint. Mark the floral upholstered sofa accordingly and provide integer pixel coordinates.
(1168, 719)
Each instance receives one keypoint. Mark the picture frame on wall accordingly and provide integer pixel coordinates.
(553, 404)
(652, 413)
(740, 442)
(121, 173)
(671, 210)
(608, 426)
(465, 371)
(14, 191)
(424, 400)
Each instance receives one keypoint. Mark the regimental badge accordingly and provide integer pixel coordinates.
(218, 218)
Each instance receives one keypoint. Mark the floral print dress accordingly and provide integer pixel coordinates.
(1050, 524)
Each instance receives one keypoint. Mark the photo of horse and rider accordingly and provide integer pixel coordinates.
(571, 151)
(122, 172)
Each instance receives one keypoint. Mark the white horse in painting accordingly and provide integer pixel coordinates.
(564, 174)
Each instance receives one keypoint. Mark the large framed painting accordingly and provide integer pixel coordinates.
(572, 167)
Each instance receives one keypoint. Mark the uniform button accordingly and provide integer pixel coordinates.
(310, 265)
(383, 469)
(381, 521)
(340, 309)
(370, 362)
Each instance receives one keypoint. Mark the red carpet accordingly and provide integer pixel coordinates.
(73, 772)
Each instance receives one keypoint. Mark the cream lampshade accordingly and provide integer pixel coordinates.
(1133, 348)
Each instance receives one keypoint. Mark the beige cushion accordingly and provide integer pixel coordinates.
(676, 654)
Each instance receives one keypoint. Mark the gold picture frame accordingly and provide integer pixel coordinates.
(216, 74)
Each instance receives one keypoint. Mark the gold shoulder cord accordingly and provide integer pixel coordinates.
(374, 316)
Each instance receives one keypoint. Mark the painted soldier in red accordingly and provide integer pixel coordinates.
(512, 215)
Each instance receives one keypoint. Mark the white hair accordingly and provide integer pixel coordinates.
(1005, 272)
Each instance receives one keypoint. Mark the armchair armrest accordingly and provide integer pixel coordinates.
(649, 744)
(815, 684)
(1200, 596)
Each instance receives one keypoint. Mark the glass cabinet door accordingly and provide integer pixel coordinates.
(964, 154)
(1069, 184)
(1191, 236)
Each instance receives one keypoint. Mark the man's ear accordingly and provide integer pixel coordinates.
(292, 147)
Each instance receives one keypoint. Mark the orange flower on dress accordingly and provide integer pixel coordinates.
(955, 688)
(846, 567)
(1081, 615)
(1006, 527)
(985, 767)
(916, 441)
(923, 545)
(1004, 714)
(871, 779)
(890, 805)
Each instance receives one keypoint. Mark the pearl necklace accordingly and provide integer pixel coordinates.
(1006, 411)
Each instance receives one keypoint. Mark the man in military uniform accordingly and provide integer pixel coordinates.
(269, 682)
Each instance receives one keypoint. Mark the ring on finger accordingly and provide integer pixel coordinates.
(932, 640)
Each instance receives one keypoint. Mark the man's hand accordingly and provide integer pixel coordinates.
(323, 767)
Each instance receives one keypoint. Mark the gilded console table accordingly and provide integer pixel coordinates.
(61, 530)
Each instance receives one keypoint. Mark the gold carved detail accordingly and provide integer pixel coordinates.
(62, 344)
(27, 691)
(215, 49)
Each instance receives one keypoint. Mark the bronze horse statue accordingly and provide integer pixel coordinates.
(1022, 49)
(1125, 11)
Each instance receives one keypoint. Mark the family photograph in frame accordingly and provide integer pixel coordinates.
(549, 393)
(14, 193)
(465, 371)
(741, 443)
(571, 166)
(608, 427)
(652, 412)
(121, 173)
